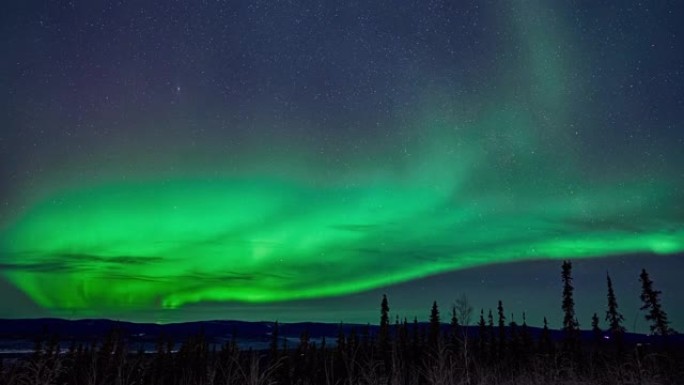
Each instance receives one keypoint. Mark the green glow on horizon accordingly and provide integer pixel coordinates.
(505, 183)
(173, 243)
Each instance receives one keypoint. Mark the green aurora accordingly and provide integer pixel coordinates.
(459, 183)
(249, 240)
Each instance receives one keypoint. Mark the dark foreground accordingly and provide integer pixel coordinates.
(405, 354)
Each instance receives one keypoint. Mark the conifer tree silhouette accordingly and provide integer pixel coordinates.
(403, 337)
(513, 339)
(453, 327)
(525, 337)
(482, 336)
(493, 346)
(614, 317)
(595, 329)
(651, 302)
(434, 331)
(383, 334)
(502, 329)
(416, 333)
(570, 324)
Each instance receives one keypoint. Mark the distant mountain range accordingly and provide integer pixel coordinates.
(19, 335)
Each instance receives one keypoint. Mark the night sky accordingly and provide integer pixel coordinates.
(181, 160)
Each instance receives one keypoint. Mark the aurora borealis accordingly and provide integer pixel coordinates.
(159, 157)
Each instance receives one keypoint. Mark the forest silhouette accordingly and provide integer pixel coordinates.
(459, 346)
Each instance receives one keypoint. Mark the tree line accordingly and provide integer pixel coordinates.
(448, 349)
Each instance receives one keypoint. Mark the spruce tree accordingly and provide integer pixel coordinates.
(433, 335)
(613, 316)
(383, 337)
(570, 324)
(365, 338)
(525, 336)
(513, 339)
(481, 324)
(493, 348)
(595, 329)
(502, 328)
(403, 337)
(545, 344)
(482, 338)
(454, 326)
(651, 302)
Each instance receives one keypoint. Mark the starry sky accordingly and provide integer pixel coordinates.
(180, 160)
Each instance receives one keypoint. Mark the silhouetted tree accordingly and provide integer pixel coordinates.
(545, 343)
(301, 365)
(493, 346)
(434, 331)
(453, 327)
(383, 335)
(525, 336)
(482, 336)
(490, 323)
(464, 310)
(651, 302)
(366, 339)
(340, 352)
(570, 324)
(502, 328)
(398, 326)
(595, 329)
(613, 316)
(415, 340)
(513, 339)
(402, 335)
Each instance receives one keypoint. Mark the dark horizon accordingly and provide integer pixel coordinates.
(493, 280)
